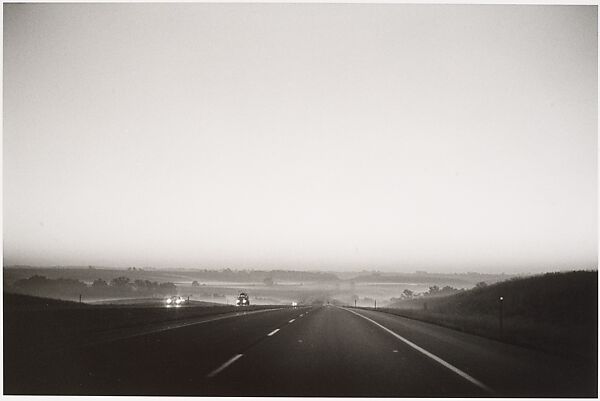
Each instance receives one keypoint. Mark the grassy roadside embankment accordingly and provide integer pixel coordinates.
(554, 312)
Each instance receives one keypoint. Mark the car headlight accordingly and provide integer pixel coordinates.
(169, 301)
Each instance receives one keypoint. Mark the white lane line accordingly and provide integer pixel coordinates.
(302, 315)
(292, 321)
(224, 366)
(273, 332)
(430, 355)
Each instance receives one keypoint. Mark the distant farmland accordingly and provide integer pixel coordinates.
(222, 286)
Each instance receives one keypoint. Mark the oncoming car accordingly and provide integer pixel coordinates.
(175, 301)
(242, 300)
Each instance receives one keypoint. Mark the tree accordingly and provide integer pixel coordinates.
(151, 285)
(434, 289)
(99, 283)
(167, 287)
(33, 280)
(195, 284)
(268, 281)
(407, 294)
(481, 284)
(447, 290)
(120, 282)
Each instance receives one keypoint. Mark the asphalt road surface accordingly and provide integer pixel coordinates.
(310, 351)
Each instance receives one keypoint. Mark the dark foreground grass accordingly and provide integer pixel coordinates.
(554, 312)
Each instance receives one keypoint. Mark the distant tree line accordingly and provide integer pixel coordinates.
(268, 277)
(434, 291)
(70, 288)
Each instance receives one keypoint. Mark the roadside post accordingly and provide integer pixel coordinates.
(501, 317)
(355, 302)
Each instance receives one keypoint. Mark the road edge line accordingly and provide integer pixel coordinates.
(436, 358)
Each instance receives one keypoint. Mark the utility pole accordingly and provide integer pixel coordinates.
(79, 298)
(375, 304)
(355, 302)
(501, 316)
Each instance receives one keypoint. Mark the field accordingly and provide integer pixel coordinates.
(223, 286)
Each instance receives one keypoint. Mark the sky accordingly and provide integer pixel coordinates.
(301, 136)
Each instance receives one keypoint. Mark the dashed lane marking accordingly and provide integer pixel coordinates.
(224, 366)
(292, 321)
(273, 332)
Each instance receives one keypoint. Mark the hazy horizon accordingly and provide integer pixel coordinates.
(339, 137)
(208, 268)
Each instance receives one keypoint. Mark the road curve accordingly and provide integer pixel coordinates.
(317, 351)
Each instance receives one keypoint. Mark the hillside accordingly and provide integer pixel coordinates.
(22, 301)
(557, 312)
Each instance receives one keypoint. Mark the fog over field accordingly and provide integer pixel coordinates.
(307, 137)
(132, 285)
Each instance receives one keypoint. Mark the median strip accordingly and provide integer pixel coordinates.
(429, 354)
(224, 366)
(273, 332)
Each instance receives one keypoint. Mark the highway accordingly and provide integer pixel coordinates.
(308, 351)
